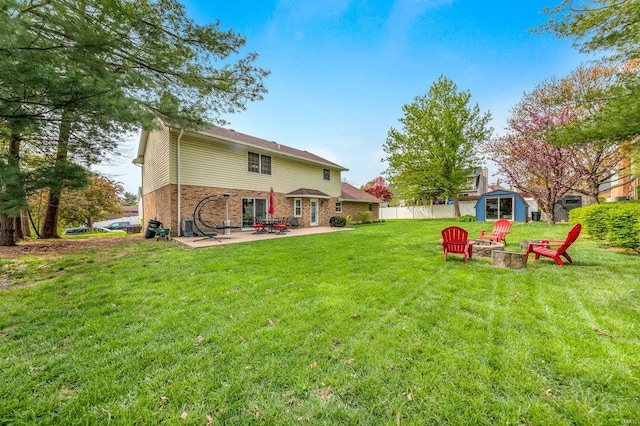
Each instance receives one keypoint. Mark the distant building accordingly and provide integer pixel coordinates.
(622, 185)
(125, 211)
(352, 201)
(477, 183)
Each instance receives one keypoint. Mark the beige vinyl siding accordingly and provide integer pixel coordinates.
(291, 175)
(156, 161)
(224, 165)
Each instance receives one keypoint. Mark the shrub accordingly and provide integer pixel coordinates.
(577, 216)
(338, 221)
(624, 225)
(466, 218)
(596, 220)
(365, 216)
(616, 223)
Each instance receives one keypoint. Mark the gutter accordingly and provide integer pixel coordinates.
(178, 179)
(139, 161)
(140, 190)
(275, 151)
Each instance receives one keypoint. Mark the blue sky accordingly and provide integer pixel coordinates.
(341, 70)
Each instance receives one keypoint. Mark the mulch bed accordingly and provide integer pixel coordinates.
(60, 246)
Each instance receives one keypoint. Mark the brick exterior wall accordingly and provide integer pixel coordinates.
(162, 205)
(350, 208)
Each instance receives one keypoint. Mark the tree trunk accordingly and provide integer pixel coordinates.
(7, 232)
(17, 225)
(456, 206)
(14, 189)
(50, 224)
(24, 220)
(14, 158)
(551, 215)
(592, 196)
(508, 259)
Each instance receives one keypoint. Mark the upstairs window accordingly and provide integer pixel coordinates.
(254, 162)
(265, 164)
(257, 163)
(326, 174)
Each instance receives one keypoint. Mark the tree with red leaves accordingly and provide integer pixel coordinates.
(378, 188)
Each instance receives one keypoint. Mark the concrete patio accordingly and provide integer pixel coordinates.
(248, 236)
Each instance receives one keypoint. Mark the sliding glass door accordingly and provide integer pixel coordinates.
(252, 209)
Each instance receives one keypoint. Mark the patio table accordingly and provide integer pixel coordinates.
(271, 224)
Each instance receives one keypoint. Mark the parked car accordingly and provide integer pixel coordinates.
(73, 231)
(103, 229)
(118, 226)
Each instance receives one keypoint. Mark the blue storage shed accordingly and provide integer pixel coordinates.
(502, 204)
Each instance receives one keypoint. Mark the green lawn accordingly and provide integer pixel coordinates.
(369, 326)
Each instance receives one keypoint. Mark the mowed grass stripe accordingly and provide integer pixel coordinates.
(366, 327)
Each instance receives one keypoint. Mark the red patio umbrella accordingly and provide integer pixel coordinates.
(272, 206)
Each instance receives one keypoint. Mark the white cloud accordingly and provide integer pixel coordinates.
(291, 17)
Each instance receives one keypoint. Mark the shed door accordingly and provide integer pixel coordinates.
(499, 208)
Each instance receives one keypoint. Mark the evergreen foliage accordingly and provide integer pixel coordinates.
(76, 75)
(611, 27)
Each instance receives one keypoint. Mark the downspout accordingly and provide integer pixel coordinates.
(140, 196)
(178, 173)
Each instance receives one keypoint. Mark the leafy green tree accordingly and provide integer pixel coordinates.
(437, 145)
(93, 202)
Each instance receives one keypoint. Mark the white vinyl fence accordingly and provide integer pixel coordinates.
(437, 211)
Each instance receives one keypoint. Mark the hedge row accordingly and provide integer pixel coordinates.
(618, 224)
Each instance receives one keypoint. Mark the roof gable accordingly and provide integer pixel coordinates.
(351, 193)
(505, 193)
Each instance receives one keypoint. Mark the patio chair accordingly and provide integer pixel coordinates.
(500, 230)
(259, 227)
(455, 240)
(543, 247)
(281, 227)
(293, 222)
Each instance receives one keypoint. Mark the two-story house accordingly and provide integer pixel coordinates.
(180, 168)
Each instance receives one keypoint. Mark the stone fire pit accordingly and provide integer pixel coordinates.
(483, 248)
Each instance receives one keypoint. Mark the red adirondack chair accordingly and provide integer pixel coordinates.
(500, 230)
(454, 240)
(543, 247)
